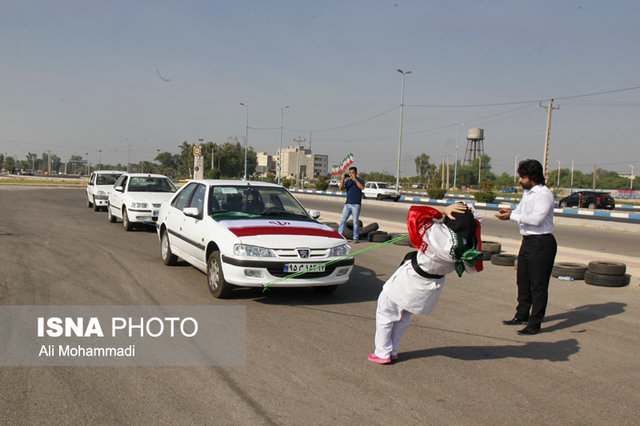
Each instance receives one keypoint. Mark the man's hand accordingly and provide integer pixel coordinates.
(454, 208)
(504, 214)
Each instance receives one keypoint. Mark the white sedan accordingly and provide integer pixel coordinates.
(136, 198)
(251, 234)
(100, 183)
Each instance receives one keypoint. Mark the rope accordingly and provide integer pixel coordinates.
(331, 262)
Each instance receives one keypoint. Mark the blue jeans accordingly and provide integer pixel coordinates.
(354, 211)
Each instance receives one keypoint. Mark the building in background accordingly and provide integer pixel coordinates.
(301, 162)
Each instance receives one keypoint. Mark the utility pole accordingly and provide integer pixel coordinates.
(594, 176)
(545, 164)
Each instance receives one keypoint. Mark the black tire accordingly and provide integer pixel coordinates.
(95, 206)
(89, 203)
(128, 226)
(218, 287)
(503, 259)
(601, 280)
(364, 230)
(396, 199)
(110, 217)
(379, 197)
(491, 247)
(347, 233)
(486, 255)
(403, 242)
(349, 224)
(168, 258)
(564, 204)
(332, 225)
(371, 234)
(569, 269)
(607, 268)
(325, 289)
(380, 237)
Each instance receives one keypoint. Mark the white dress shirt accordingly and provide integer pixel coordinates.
(534, 213)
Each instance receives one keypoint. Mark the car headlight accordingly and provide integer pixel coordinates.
(252, 251)
(340, 251)
(101, 193)
(135, 205)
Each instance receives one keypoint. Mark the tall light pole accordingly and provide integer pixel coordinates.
(246, 137)
(455, 165)
(280, 152)
(515, 172)
(404, 74)
(631, 178)
(558, 181)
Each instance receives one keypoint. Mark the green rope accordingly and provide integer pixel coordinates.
(331, 262)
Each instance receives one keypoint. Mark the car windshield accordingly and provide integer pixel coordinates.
(383, 185)
(151, 184)
(106, 179)
(253, 201)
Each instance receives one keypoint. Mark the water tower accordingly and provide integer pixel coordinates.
(475, 145)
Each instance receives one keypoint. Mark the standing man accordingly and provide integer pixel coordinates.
(534, 214)
(354, 186)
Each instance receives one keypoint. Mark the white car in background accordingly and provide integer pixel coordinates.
(137, 197)
(380, 191)
(251, 234)
(100, 183)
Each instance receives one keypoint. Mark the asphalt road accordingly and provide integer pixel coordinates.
(306, 354)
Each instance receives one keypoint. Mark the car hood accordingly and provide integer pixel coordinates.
(150, 197)
(282, 232)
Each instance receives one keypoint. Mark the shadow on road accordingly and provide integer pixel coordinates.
(583, 314)
(554, 352)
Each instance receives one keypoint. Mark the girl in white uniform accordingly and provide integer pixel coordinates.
(445, 243)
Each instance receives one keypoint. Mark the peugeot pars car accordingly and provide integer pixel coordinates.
(380, 191)
(100, 183)
(136, 198)
(251, 234)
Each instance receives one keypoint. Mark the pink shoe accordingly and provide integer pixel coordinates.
(394, 357)
(373, 358)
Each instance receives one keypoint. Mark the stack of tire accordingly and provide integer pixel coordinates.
(574, 271)
(503, 259)
(607, 274)
(490, 248)
(369, 232)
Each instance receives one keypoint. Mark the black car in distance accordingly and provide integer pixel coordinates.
(589, 199)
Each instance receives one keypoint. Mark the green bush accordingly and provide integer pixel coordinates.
(321, 185)
(484, 196)
(436, 193)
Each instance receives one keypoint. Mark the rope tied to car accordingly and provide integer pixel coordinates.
(331, 262)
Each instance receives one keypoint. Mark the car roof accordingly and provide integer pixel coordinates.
(145, 175)
(108, 172)
(236, 182)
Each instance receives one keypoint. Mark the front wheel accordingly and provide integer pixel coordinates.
(379, 197)
(128, 226)
(95, 206)
(89, 203)
(592, 206)
(111, 217)
(215, 278)
(168, 258)
(396, 199)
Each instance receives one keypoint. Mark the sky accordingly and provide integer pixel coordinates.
(111, 80)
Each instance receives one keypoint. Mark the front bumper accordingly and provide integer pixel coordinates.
(255, 273)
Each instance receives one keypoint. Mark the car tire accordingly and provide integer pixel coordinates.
(403, 242)
(347, 233)
(325, 289)
(396, 199)
(380, 237)
(364, 230)
(591, 206)
(349, 224)
(564, 204)
(95, 206)
(215, 277)
(379, 197)
(168, 258)
(601, 280)
(503, 259)
(332, 225)
(89, 203)
(491, 247)
(569, 269)
(128, 226)
(110, 216)
(607, 268)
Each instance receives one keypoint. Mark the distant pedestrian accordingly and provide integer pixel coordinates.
(354, 186)
(447, 239)
(534, 214)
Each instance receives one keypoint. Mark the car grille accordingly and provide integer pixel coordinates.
(157, 206)
(278, 272)
(293, 253)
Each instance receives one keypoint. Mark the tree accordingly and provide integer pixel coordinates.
(424, 169)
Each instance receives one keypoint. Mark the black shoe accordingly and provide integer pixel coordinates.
(515, 321)
(530, 330)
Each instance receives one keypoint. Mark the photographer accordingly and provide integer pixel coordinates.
(354, 186)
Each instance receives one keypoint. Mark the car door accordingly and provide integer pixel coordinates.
(191, 227)
(174, 219)
(116, 196)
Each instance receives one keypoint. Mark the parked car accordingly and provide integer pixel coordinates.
(589, 199)
(380, 191)
(100, 182)
(137, 197)
(250, 234)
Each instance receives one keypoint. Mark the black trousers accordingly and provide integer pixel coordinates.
(535, 262)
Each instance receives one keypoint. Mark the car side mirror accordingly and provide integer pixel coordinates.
(191, 212)
(314, 213)
(119, 188)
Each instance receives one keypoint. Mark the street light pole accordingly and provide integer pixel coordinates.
(404, 74)
(280, 152)
(246, 137)
(455, 165)
(558, 181)
(631, 178)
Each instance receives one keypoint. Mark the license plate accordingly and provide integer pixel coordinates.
(299, 267)
(154, 213)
